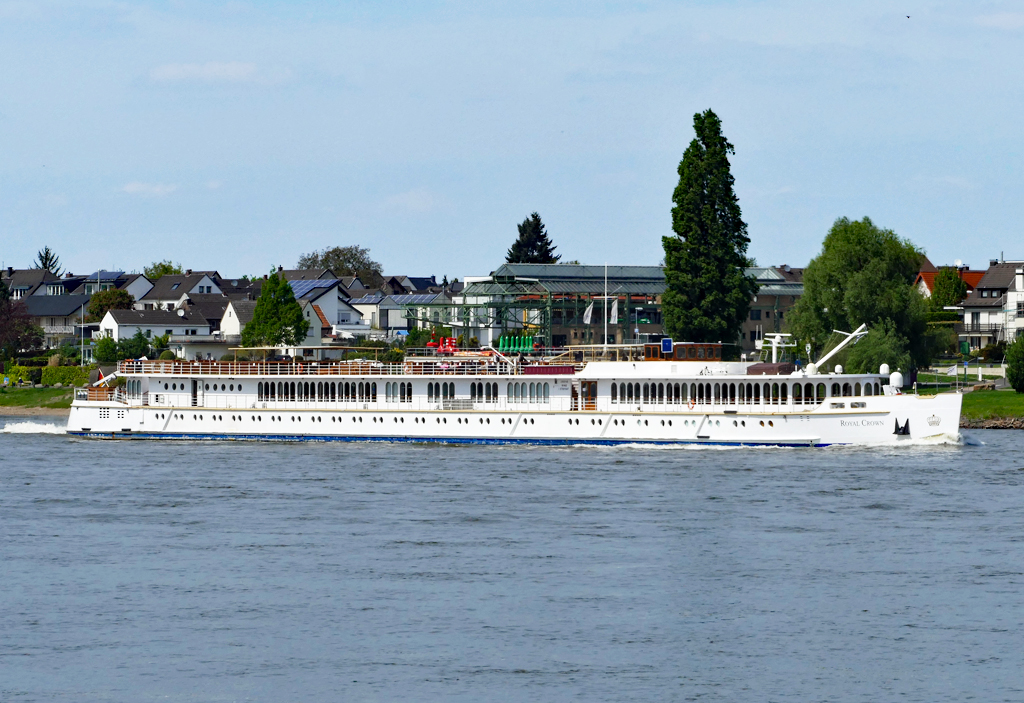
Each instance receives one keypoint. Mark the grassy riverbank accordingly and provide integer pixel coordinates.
(22, 399)
(989, 405)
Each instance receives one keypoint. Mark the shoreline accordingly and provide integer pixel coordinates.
(994, 423)
(19, 411)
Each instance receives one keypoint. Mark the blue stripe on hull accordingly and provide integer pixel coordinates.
(432, 440)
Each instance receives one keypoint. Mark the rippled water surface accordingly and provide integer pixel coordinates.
(139, 571)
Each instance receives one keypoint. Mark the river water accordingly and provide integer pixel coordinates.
(167, 571)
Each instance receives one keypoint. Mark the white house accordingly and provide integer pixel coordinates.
(168, 291)
(237, 315)
(123, 324)
(993, 311)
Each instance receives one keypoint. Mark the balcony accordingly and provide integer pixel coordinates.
(979, 328)
(58, 329)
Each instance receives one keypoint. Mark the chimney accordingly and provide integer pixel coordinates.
(993, 262)
(10, 271)
(188, 272)
(280, 269)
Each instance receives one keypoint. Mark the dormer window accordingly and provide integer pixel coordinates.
(984, 294)
(175, 286)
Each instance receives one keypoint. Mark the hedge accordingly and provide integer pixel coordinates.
(65, 375)
(942, 316)
(23, 374)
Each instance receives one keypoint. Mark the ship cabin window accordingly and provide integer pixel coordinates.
(835, 390)
(847, 390)
(856, 389)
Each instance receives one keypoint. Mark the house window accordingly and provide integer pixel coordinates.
(149, 333)
(1020, 308)
(755, 314)
(984, 294)
(175, 286)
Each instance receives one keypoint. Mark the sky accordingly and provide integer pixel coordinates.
(237, 136)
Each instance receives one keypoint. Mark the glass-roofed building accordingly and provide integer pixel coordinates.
(551, 301)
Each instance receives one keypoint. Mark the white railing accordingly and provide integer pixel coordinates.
(234, 369)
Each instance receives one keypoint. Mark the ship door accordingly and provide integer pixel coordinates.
(195, 393)
(575, 395)
(589, 393)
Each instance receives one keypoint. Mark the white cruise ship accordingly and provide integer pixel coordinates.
(633, 394)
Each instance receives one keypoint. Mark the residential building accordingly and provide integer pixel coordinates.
(169, 290)
(925, 281)
(381, 313)
(122, 324)
(25, 282)
(990, 311)
(237, 314)
(58, 315)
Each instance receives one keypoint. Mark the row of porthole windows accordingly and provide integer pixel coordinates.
(527, 421)
(223, 387)
(735, 393)
(362, 391)
(529, 392)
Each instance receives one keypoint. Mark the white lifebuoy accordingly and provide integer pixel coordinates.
(691, 403)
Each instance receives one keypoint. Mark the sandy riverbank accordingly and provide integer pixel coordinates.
(14, 410)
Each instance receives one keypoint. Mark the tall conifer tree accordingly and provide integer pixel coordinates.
(533, 245)
(708, 292)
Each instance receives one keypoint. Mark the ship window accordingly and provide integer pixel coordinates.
(700, 352)
(847, 390)
(797, 394)
(835, 390)
(785, 392)
(206, 387)
(757, 394)
(718, 396)
(647, 392)
(661, 392)
(877, 389)
(547, 392)
(856, 389)
(819, 393)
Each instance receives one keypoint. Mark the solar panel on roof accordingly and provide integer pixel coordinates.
(303, 286)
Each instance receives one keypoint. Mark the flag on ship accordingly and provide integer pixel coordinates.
(614, 317)
(588, 313)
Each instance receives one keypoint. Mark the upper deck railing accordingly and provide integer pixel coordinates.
(440, 366)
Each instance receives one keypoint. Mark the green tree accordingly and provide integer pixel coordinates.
(135, 347)
(277, 318)
(46, 259)
(882, 345)
(1015, 365)
(345, 261)
(105, 351)
(16, 329)
(708, 292)
(112, 299)
(863, 275)
(533, 245)
(950, 289)
(161, 268)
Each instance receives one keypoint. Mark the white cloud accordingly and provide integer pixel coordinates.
(210, 72)
(149, 189)
(214, 185)
(1002, 20)
(418, 200)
